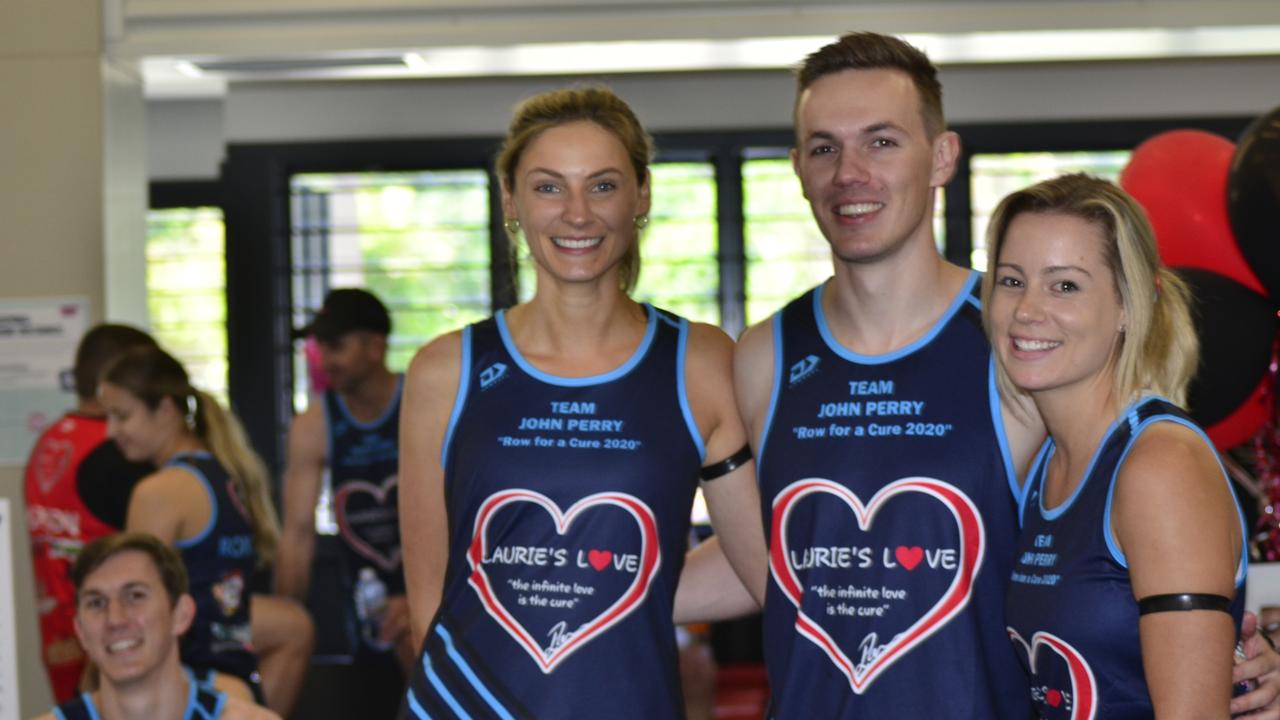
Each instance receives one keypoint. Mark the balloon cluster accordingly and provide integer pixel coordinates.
(1215, 208)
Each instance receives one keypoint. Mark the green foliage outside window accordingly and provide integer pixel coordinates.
(997, 175)
(186, 291)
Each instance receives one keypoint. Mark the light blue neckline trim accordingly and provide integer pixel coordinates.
(87, 698)
(956, 303)
(1050, 446)
(1242, 568)
(464, 386)
(470, 675)
(682, 347)
(386, 412)
(178, 462)
(1002, 437)
(651, 329)
(774, 393)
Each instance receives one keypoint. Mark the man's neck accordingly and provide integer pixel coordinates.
(89, 407)
(160, 695)
(369, 399)
(879, 307)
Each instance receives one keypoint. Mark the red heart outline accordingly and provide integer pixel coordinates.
(387, 563)
(972, 546)
(1084, 688)
(635, 594)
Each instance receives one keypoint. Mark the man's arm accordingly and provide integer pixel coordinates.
(302, 478)
(709, 590)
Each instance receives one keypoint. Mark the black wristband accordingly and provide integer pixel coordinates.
(1179, 602)
(727, 465)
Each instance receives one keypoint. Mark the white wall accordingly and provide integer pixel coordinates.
(186, 138)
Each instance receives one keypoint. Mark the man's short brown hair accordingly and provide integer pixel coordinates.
(873, 51)
(173, 574)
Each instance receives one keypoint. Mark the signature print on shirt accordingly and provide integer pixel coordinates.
(873, 656)
(555, 588)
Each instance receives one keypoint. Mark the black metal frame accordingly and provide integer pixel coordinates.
(255, 198)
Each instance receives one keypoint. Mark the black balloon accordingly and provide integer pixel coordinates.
(1253, 198)
(1236, 326)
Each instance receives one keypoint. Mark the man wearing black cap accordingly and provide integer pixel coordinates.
(354, 432)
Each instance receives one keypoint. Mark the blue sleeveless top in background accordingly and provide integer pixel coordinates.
(364, 466)
(203, 703)
(220, 562)
(568, 503)
(890, 498)
(1071, 612)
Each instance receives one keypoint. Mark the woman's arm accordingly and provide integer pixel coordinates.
(431, 384)
(1176, 522)
(733, 500)
(170, 504)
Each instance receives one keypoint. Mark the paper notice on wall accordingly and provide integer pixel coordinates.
(38, 338)
(8, 626)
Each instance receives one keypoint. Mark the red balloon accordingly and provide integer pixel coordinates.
(1243, 423)
(1180, 178)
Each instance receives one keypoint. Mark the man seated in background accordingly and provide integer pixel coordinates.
(132, 607)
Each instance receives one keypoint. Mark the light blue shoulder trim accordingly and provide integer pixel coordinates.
(199, 537)
(476, 684)
(1088, 471)
(682, 349)
(92, 709)
(1242, 568)
(958, 302)
(1035, 479)
(1002, 437)
(775, 392)
(626, 367)
(459, 400)
(386, 412)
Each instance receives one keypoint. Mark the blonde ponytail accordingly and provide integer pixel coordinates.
(226, 439)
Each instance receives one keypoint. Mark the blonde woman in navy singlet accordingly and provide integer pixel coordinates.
(549, 455)
(209, 499)
(1127, 590)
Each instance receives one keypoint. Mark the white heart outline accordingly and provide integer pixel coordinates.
(387, 563)
(972, 548)
(1076, 664)
(628, 601)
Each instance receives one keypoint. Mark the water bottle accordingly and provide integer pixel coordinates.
(371, 605)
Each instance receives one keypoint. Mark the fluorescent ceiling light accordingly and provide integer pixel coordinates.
(164, 74)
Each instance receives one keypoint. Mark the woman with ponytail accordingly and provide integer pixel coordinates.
(210, 499)
(1131, 561)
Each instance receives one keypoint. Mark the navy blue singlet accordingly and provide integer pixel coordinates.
(1071, 611)
(203, 703)
(220, 563)
(363, 466)
(568, 503)
(890, 495)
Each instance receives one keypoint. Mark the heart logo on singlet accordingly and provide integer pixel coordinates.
(952, 601)
(1084, 689)
(366, 515)
(565, 643)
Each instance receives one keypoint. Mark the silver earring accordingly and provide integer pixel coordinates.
(193, 405)
(512, 225)
(642, 222)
